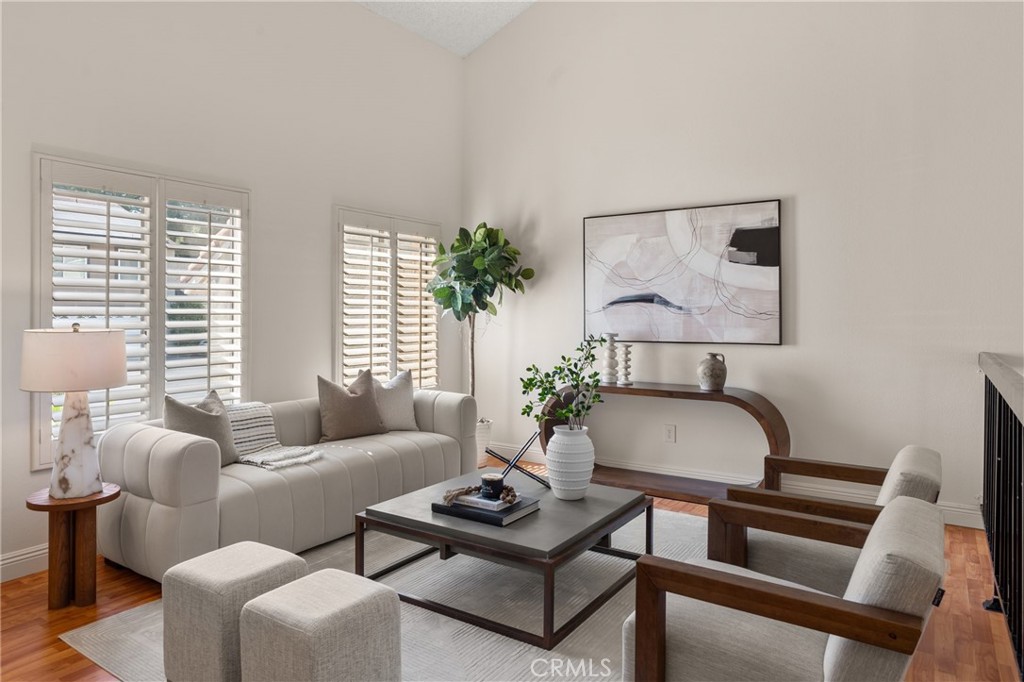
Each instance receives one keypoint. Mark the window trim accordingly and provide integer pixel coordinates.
(41, 284)
(424, 228)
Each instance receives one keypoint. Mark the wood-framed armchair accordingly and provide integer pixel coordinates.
(916, 471)
(775, 629)
(811, 540)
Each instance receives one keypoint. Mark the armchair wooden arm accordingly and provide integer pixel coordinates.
(806, 504)
(728, 522)
(655, 576)
(775, 466)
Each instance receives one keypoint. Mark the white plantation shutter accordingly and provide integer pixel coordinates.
(386, 321)
(203, 292)
(99, 252)
(416, 332)
(161, 259)
(366, 302)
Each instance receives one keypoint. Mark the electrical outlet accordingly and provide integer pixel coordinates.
(670, 433)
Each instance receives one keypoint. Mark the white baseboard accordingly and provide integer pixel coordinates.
(716, 476)
(953, 513)
(23, 562)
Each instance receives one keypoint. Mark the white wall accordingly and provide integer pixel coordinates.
(304, 104)
(892, 134)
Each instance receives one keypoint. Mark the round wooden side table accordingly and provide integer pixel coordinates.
(72, 550)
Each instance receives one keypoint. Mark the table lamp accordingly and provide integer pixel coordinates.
(73, 361)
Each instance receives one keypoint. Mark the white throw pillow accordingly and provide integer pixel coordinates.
(394, 400)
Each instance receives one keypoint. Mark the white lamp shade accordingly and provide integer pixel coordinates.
(55, 360)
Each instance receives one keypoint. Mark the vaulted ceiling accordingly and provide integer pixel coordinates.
(457, 26)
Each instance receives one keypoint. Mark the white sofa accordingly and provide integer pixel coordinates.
(177, 502)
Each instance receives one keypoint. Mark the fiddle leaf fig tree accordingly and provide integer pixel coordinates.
(475, 268)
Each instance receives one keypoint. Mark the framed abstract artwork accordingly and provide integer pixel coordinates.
(707, 274)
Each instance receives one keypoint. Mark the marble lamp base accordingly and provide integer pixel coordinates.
(76, 466)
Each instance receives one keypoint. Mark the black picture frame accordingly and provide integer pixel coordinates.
(699, 274)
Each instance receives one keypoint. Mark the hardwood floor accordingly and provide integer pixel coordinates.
(961, 642)
(29, 646)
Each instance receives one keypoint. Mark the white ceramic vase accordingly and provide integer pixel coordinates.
(483, 439)
(711, 372)
(570, 461)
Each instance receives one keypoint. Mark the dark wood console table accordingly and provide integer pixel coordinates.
(698, 490)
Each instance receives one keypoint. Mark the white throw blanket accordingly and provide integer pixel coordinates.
(252, 427)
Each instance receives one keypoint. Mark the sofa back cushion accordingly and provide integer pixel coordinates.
(348, 413)
(899, 568)
(297, 422)
(916, 472)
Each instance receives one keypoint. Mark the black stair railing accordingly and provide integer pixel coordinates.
(1003, 494)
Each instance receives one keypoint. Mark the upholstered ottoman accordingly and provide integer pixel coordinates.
(203, 599)
(330, 625)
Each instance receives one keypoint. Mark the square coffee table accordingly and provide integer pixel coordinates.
(541, 542)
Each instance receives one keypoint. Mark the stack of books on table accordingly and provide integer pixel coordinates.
(494, 512)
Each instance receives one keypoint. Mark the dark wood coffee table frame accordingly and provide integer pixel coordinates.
(597, 541)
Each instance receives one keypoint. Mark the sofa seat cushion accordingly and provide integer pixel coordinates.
(306, 505)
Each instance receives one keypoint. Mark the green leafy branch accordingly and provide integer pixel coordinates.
(568, 391)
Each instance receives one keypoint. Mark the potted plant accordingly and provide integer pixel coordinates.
(476, 267)
(567, 392)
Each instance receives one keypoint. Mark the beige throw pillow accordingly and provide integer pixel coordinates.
(394, 400)
(351, 412)
(208, 419)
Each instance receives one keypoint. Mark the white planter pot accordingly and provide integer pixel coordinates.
(570, 461)
(483, 439)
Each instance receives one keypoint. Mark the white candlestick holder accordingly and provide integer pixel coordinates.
(624, 373)
(610, 372)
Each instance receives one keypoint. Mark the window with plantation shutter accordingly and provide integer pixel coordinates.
(366, 302)
(159, 258)
(202, 292)
(386, 321)
(416, 328)
(101, 248)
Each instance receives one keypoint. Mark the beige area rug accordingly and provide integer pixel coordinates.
(129, 645)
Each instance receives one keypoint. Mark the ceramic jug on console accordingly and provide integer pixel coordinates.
(711, 372)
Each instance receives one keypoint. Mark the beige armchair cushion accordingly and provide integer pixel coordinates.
(915, 472)
(900, 567)
(819, 565)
